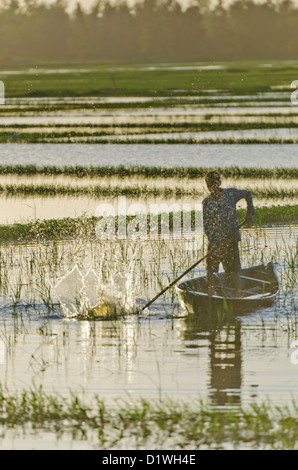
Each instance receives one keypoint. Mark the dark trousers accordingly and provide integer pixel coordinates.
(226, 253)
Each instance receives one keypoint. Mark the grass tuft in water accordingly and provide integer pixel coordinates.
(148, 172)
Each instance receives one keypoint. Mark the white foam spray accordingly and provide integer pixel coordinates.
(87, 295)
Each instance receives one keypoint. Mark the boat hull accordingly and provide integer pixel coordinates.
(194, 298)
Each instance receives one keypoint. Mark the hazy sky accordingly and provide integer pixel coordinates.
(72, 3)
(86, 4)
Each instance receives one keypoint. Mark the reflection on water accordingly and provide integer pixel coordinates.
(225, 366)
(160, 155)
(165, 353)
(29, 209)
(183, 358)
(225, 359)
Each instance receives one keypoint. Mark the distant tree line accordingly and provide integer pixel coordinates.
(153, 30)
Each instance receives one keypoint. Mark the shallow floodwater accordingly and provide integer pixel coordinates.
(17, 210)
(252, 134)
(166, 155)
(163, 353)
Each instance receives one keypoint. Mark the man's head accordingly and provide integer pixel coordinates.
(213, 181)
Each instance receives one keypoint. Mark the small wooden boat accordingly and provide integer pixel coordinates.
(259, 286)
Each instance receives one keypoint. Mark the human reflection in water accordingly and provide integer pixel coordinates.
(225, 363)
(224, 336)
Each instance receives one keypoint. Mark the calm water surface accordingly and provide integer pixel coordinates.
(164, 353)
(29, 209)
(252, 155)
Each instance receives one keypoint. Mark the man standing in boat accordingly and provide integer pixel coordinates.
(219, 219)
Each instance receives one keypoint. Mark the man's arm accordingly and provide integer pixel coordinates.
(245, 194)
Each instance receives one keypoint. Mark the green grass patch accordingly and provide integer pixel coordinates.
(166, 140)
(133, 191)
(103, 138)
(272, 215)
(151, 79)
(107, 133)
(160, 103)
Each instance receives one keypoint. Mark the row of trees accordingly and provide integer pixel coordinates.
(154, 30)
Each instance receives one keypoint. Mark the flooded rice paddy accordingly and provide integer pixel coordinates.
(258, 117)
(161, 355)
(21, 207)
(171, 155)
(46, 287)
(163, 352)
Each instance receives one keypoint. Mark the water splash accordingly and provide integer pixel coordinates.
(87, 296)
